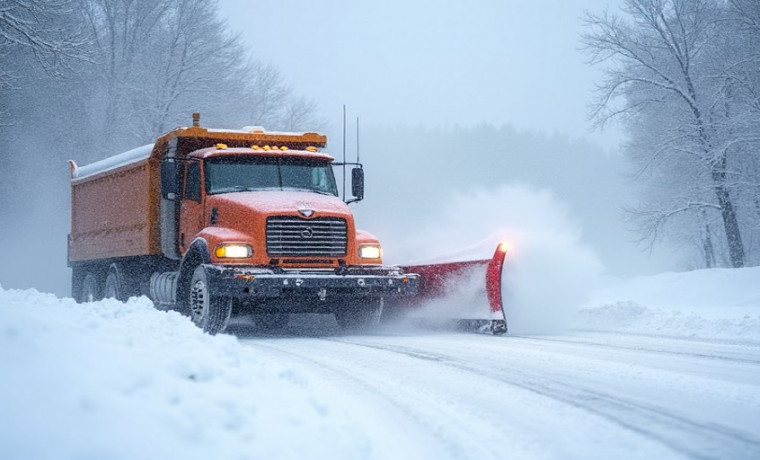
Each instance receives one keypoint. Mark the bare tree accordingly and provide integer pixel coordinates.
(266, 94)
(160, 61)
(300, 114)
(665, 81)
(45, 29)
(42, 27)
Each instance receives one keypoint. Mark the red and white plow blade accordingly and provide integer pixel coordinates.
(467, 293)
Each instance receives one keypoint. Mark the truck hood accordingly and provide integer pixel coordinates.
(239, 208)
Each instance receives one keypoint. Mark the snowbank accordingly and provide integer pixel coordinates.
(707, 304)
(112, 380)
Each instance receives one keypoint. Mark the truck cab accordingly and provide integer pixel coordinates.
(268, 207)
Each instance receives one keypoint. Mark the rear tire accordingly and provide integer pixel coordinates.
(360, 315)
(115, 287)
(210, 313)
(91, 291)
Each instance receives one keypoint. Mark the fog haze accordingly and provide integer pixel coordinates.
(432, 63)
(452, 97)
(454, 100)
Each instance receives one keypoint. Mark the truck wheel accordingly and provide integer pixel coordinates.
(271, 322)
(90, 288)
(359, 316)
(210, 313)
(115, 287)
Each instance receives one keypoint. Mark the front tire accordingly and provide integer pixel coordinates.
(208, 312)
(359, 316)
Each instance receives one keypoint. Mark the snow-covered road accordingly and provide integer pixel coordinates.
(671, 371)
(581, 395)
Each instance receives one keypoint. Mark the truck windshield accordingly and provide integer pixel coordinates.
(224, 175)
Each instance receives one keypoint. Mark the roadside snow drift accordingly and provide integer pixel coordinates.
(706, 304)
(113, 380)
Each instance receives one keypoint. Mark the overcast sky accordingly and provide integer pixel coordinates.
(432, 62)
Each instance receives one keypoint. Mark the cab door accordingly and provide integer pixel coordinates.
(191, 218)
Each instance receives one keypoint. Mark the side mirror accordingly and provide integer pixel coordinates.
(169, 179)
(357, 183)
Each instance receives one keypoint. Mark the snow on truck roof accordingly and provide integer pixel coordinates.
(143, 152)
(116, 161)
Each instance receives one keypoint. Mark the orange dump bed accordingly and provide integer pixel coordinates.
(115, 203)
(116, 214)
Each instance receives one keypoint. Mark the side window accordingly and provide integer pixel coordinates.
(193, 182)
(318, 178)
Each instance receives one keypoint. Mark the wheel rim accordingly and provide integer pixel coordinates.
(198, 299)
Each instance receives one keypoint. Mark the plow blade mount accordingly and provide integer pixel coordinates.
(465, 293)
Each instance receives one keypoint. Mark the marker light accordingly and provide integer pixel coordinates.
(503, 246)
(283, 148)
(233, 251)
(370, 251)
(311, 148)
(266, 147)
(221, 146)
(255, 147)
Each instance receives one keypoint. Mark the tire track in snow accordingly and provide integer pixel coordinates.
(426, 416)
(743, 360)
(678, 433)
(463, 411)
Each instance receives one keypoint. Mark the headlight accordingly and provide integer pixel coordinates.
(233, 251)
(370, 251)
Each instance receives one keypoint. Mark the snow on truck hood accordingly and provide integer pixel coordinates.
(278, 201)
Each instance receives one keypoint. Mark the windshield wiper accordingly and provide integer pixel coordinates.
(304, 189)
(247, 188)
(241, 188)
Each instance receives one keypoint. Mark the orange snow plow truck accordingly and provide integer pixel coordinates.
(224, 223)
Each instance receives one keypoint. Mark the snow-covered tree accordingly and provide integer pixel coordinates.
(160, 61)
(680, 76)
(47, 31)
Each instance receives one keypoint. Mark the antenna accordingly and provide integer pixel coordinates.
(344, 151)
(357, 140)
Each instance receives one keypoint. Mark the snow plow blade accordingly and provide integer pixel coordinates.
(465, 294)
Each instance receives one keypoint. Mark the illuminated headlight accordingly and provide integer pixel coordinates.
(372, 251)
(233, 251)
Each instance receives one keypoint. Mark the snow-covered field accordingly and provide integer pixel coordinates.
(655, 367)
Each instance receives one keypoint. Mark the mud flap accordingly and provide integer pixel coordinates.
(465, 294)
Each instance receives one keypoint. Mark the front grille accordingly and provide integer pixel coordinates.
(291, 236)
